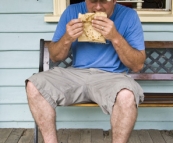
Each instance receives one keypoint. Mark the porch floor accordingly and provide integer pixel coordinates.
(86, 136)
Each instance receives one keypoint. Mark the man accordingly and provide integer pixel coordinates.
(99, 71)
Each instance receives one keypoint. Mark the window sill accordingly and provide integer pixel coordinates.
(156, 18)
(51, 18)
(143, 17)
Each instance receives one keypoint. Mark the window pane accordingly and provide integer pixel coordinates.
(154, 4)
(75, 1)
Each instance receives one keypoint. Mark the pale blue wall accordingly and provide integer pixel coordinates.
(21, 27)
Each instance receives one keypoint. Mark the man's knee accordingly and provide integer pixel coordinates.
(125, 98)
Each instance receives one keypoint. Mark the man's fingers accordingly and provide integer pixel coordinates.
(74, 24)
(74, 21)
(73, 32)
(99, 22)
(101, 18)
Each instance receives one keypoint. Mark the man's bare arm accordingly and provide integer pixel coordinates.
(130, 57)
(59, 50)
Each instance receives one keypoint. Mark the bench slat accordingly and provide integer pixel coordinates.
(142, 76)
(159, 44)
(141, 105)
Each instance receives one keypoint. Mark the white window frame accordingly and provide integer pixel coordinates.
(145, 15)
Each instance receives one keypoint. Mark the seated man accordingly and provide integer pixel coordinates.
(99, 72)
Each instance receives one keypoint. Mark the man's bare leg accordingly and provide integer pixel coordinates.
(43, 114)
(123, 116)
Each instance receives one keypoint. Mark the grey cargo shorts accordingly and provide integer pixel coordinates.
(62, 87)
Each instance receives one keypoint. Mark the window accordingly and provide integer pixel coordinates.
(148, 10)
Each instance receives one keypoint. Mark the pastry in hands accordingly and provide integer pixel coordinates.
(90, 34)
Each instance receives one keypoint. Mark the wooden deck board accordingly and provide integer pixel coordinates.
(27, 136)
(144, 136)
(74, 136)
(86, 136)
(15, 136)
(107, 136)
(168, 136)
(64, 134)
(97, 136)
(134, 138)
(156, 136)
(4, 134)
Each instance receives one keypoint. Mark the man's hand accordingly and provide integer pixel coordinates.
(74, 29)
(105, 26)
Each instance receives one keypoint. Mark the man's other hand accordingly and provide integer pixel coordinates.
(74, 29)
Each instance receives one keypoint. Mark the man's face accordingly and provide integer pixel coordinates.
(101, 6)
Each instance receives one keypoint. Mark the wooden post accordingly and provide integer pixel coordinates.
(139, 4)
(171, 7)
(59, 6)
(68, 2)
(55, 7)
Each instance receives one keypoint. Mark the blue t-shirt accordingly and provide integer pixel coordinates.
(97, 55)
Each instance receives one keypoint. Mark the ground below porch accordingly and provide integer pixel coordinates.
(13, 135)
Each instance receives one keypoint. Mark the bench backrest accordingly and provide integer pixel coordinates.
(158, 64)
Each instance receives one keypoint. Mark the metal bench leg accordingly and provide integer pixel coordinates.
(36, 133)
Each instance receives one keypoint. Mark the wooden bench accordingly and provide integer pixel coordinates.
(158, 67)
